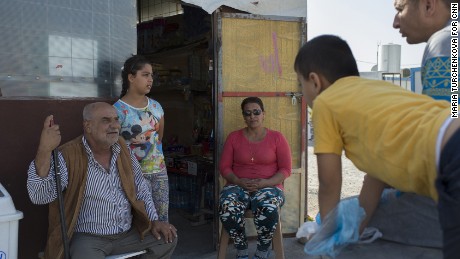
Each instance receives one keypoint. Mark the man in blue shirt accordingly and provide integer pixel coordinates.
(429, 21)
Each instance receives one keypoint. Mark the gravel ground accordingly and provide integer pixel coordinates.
(352, 180)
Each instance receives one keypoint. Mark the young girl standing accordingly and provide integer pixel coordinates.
(142, 124)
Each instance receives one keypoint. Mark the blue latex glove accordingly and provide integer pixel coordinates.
(339, 229)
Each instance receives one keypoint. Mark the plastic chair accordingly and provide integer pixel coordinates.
(277, 241)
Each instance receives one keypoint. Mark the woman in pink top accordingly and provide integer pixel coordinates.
(254, 162)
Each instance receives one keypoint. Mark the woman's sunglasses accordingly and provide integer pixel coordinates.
(248, 113)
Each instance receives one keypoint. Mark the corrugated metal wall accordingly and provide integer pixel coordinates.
(65, 47)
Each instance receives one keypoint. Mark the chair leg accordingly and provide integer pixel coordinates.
(223, 244)
(278, 241)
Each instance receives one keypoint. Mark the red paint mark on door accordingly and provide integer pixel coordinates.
(271, 64)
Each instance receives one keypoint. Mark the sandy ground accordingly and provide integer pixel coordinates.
(352, 180)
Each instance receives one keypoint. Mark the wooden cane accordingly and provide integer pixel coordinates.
(57, 177)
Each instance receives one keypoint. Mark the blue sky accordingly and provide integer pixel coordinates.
(363, 24)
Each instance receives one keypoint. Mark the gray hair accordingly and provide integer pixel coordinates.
(88, 111)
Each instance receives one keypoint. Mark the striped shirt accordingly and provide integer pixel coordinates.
(105, 210)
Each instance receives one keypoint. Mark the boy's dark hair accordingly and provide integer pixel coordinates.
(252, 100)
(327, 55)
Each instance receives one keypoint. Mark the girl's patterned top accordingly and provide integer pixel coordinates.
(139, 127)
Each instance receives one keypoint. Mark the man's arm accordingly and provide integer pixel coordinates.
(330, 182)
(41, 184)
(369, 197)
(49, 140)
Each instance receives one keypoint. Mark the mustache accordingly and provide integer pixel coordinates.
(114, 131)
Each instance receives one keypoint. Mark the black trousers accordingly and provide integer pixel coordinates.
(448, 187)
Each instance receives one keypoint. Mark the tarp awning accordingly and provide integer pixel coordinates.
(293, 8)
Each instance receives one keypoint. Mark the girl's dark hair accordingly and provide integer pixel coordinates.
(252, 100)
(131, 66)
(327, 55)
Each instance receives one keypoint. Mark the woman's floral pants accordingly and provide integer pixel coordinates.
(264, 203)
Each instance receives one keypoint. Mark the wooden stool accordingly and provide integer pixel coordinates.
(277, 241)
